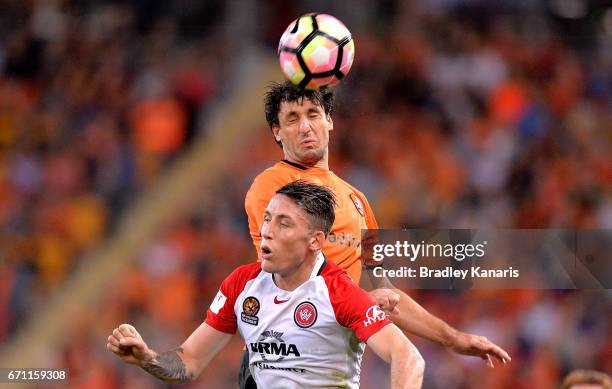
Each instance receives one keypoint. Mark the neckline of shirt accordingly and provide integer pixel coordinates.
(316, 271)
(304, 168)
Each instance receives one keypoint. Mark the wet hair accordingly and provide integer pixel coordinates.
(317, 201)
(289, 92)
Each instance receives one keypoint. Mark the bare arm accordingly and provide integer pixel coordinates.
(414, 319)
(407, 365)
(182, 364)
(169, 366)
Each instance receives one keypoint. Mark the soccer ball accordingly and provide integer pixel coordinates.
(316, 50)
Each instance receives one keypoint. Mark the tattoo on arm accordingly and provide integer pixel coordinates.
(169, 366)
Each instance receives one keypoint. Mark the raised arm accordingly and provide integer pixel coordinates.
(181, 364)
(407, 365)
(414, 319)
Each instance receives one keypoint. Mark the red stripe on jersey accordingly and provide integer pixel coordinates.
(353, 306)
(225, 320)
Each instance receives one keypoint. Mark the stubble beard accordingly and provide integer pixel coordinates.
(311, 157)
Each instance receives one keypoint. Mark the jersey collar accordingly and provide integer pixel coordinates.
(317, 269)
(297, 165)
(319, 265)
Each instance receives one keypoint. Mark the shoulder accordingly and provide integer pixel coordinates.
(237, 280)
(340, 181)
(359, 199)
(353, 307)
(220, 314)
(337, 279)
(270, 180)
(279, 172)
(357, 192)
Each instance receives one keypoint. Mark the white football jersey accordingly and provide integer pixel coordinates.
(310, 337)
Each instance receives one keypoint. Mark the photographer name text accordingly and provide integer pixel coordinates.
(447, 272)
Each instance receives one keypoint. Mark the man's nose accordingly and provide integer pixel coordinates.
(304, 125)
(265, 231)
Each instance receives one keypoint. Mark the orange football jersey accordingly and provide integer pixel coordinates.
(353, 213)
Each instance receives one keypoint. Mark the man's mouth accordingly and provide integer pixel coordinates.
(266, 252)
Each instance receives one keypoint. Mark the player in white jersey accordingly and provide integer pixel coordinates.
(304, 321)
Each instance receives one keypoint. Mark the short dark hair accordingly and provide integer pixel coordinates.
(289, 92)
(317, 201)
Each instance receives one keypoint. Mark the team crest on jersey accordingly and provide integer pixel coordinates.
(305, 315)
(250, 309)
(358, 204)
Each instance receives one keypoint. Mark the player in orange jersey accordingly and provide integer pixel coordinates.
(301, 121)
(354, 213)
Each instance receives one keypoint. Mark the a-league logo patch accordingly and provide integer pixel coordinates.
(218, 302)
(358, 204)
(250, 309)
(305, 315)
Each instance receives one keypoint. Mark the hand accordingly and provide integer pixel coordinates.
(386, 299)
(128, 345)
(468, 344)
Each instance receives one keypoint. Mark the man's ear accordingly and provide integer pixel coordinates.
(316, 241)
(276, 133)
(331, 122)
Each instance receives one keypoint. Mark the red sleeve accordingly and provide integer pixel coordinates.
(353, 307)
(221, 315)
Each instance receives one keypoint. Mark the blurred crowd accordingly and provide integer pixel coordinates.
(453, 115)
(94, 102)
